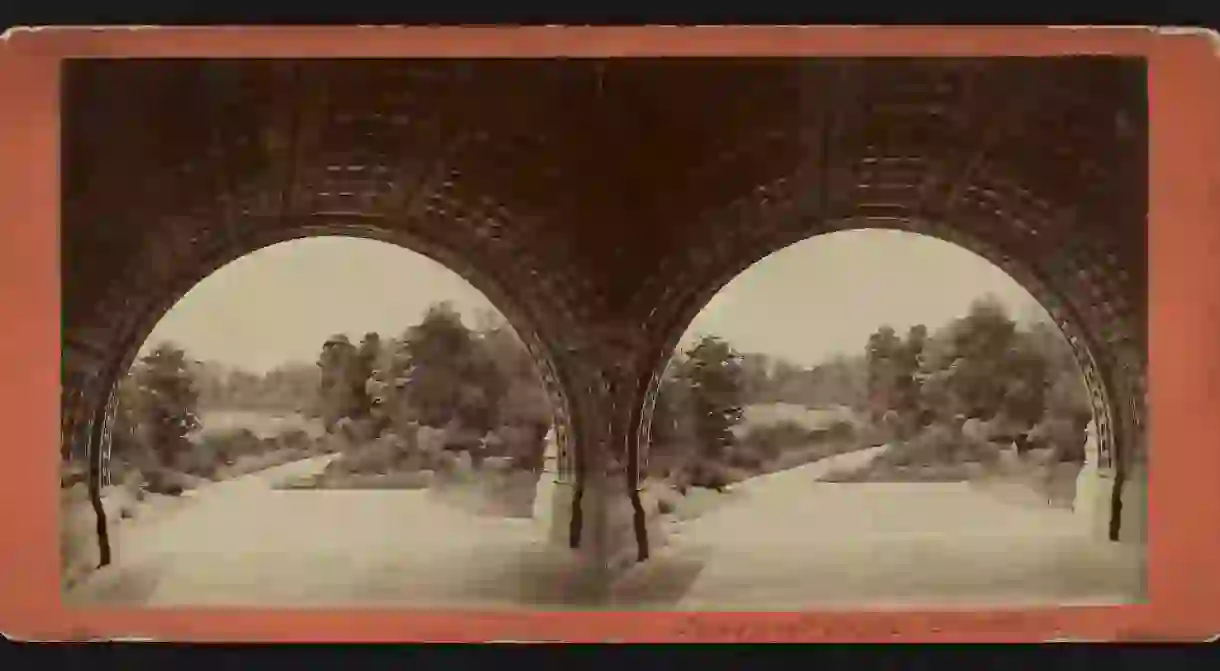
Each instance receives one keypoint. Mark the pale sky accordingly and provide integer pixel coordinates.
(282, 302)
(807, 302)
(825, 295)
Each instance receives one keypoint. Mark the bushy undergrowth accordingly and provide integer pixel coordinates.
(941, 453)
(496, 473)
(767, 448)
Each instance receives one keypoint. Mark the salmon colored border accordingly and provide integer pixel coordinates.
(1184, 548)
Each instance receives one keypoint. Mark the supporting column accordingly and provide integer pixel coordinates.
(553, 497)
(1092, 503)
(87, 419)
(598, 511)
(1133, 514)
(1102, 495)
(97, 466)
(617, 538)
(1133, 499)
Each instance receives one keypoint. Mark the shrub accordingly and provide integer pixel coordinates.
(937, 444)
(768, 441)
(296, 439)
(463, 467)
(897, 456)
(73, 473)
(162, 482)
(372, 458)
(708, 476)
(457, 439)
(1063, 435)
(430, 440)
(445, 462)
(363, 430)
(355, 431)
(745, 456)
(819, 435)
(841, 430)
(524, 445)
(981, 451)
(870, 434)
(200, 460)
(227, 446)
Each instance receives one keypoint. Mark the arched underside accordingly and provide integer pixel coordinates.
(91, 409)
(1118, 426)
(602, 202)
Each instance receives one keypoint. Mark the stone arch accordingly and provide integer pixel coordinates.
(1108, 411)
(89, 397)
(606, 191)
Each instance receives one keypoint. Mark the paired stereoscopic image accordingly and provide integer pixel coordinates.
(664, 334)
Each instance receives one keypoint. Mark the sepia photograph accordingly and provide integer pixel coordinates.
(660, 334)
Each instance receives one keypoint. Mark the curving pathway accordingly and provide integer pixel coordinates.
(789, 542)
(243, 543)
(778, 542)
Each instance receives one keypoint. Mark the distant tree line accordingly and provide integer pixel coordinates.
(291, 387)
(839, 381)
(1021, 383)
(479, 388)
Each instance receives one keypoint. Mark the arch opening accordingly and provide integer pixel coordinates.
(1050, 294)
(467, 426)
(789, 350)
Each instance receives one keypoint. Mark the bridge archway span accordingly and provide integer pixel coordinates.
(1115, 399)
(90, 412)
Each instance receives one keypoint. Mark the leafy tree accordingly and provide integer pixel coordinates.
(1025, 381)
(364, 369)
(969, 368)
(166, 403)
(908, 362)
(1067, 406)
(711, 371)
(444, 374)
(123, 437)
(339, 376)
(672, 431)
(892, 367)
(524, 403)
(1066, 396)
(880, 353)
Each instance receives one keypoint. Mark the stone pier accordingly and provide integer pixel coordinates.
(608, 544)
(1094, 502)
(545, 502)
